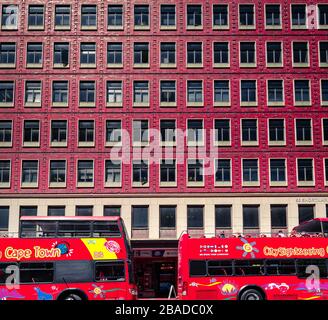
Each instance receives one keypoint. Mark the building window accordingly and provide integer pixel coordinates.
(87, 92)
(194, 16)
(249, 130)
(248, 91)
(141, 16)
(4, 173)
(112, 211)
(141, 92)
(221, 92)
(7, 92)
(85, 211)
(223, 170)
(324, 92)
(86, 131)
(33, 92)
(29, 172)
(278, 216)
(168, 53)
(115, 16)
(194, 53)
(326, 173)
(305, 212)
(4, 218)
(276, 130)
(300, 53)
(31, 131)
(59, 131)
(140, 217)
(275, 91)
(251, 216)
(277, 170)
(168, 128)
(5, 132)
(323, 15)
(140, 173)
(9, 18)
(305, 170)
(168, 94)
(194, 92)
(35, 17)
(167, 15)
(113, 131)
(246, 15)
(222, 130)
(56, 211)
(221, 53)
(195, 171)
(298, 15)
(113, 172)
(303, 130)
(28, 211)
(274, 55)
(272, 15)
(114, 92)
(323, 47)
(140, 132)
(89, 16)
(61, 54)
(247, 52)
(195, 132)
(62, 16)
(223, 217)
(57, 171)
(220, 15)
(115, 53)
(324, 130)
(168, 171)
(85, 171)
(167, 217)
(141, 53)
(195, 217)
(250, 170)
(34, 54)
(88, 53)
(60, 92)
(7, 54)
(302, 91)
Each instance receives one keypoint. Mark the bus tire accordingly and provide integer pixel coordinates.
(251, 294)
(73, 297)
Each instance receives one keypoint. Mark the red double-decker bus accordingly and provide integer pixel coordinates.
(67, 258)
(253, 268)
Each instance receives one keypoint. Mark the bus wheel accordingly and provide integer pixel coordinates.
(72, 297)
(251, 294)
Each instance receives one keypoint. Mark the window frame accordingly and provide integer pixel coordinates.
(278, 183)
(57, 184)
(85, 184)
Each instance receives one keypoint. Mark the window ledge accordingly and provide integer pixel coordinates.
(29, 185)
(248, 104)
(194, 65)
(251, 184)
(322, 27)
(323, 64)
(60, 104)
(222, 143)
(195, 104)
(34, 66)
(168, 104)
(141, 104)
(88, 28)
(31, 144)
(32, 28)
(195, 144)
(168, 143)
(195, 27)
(275, 27)
(113, 184)
(274, 65)
(195, 184)
(140, 185)
(304, 143)
(223, 184)
(164, 28)
(6, 104)
(301, 65)
(57, 185)
(142, 27)
(325, 143)
(88, 66)
(277, 143)
(168, 184)
(305, 183)
(168, 65)
(303, 104)
(6, 144)
(141, 65)
(87, 104)
(224, 27)
(62, 28)
(246, 27)
(278, 184)
(7, 65)
(221, 65)
(140, 144)
(4, 185)
(61, 66)
(249, 143)
(9, 28)
(247, 65)
(222, 104)
(86, 144)
(33, 104)
(276, 103)
(117, 28)
(293, 27)
(58, 144)
(85, 184)
(114, 104)
(113, 144)
(115, 65)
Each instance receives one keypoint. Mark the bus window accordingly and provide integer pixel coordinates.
(109, 271)
(36, 272)
(106, 229)
(249, 267)
(219, 267)
(302, 264)
(73, 271)
(197, 268)
(74, 229)
(37, 229)
(280, 267)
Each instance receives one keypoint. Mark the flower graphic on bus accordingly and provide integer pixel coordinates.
(248, 248)
(228, 288)
(63, 247)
